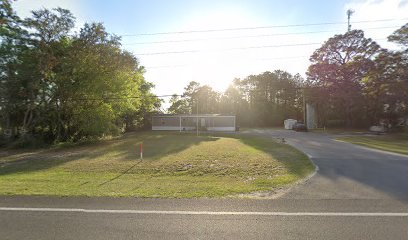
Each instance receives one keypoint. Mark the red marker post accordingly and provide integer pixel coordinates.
(141, 151)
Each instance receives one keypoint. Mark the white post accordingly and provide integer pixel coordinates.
(180, 123)
(197, 116)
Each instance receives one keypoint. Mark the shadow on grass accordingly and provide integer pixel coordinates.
(121, 174)
(295, 161)
(156, 145)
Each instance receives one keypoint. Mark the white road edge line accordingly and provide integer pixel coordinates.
(338, 214)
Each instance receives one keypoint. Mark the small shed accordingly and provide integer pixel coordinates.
(289, 123)
(189, 122)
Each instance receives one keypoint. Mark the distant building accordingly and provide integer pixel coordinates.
(188, 122)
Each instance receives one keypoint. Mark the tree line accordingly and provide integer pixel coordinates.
(352, 82)
(357, 82)
(58, 86)
(257, 100)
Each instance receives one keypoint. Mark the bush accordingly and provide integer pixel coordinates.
(28, 141)
(336, 123)
(3, 140)
(405, 132)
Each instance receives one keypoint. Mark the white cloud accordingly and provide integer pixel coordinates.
(403, 4)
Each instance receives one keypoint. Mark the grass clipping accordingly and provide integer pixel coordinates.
(174, 165)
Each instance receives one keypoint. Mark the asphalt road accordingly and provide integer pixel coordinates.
(356, 194)
(346, 171)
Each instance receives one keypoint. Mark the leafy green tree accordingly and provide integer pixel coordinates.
(190, 94)
(203, 97)
(178, 105)
(338, 67)
(386, 85)
(208, 100)
(232, 101)
(270, 98)
(400, 36)
(257, 100)
(14, 41)
(111, 78)
(61, 86)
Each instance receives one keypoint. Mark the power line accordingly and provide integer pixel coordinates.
(108, 98)
(237, 48)
(247, 36)
(257, 59)
(122, 98)
(260, 27)
(228, 49)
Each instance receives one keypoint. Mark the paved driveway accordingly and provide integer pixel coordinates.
(346, 171)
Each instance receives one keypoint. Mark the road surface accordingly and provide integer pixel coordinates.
(357, 193)
(345, 170)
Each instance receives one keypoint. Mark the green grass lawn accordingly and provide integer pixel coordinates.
(393, 143)
(339, 130)
(174, 165)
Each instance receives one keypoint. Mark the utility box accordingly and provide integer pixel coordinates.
(311, 122)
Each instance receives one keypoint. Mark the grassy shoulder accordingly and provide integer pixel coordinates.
(392, 143)
(339, 130)
(174, 165)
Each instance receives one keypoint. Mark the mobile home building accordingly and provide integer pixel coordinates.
(189, 122)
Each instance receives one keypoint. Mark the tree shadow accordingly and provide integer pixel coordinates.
(386, 173)
(294, 160)
(158, 146)
(155, 146)
(121, 174)
(389, 176)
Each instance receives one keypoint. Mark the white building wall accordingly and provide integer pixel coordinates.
(311, 121)
(221, 129)
(171, 128)
(174, 127)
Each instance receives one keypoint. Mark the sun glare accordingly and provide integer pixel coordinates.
(218, 56)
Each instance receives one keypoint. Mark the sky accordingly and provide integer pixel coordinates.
(214, 41)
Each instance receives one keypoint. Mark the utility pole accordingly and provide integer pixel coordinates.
(349, 13)
(197, 116)
(304, 107)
